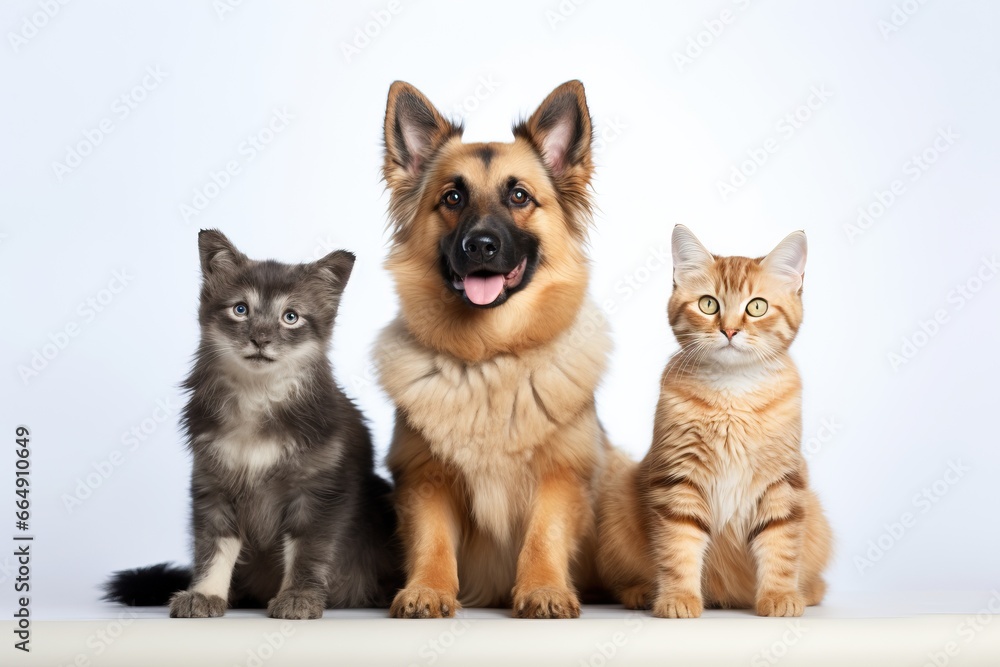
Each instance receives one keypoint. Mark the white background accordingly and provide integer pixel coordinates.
(680, 131)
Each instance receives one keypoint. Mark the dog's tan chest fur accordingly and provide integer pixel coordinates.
(499, 411)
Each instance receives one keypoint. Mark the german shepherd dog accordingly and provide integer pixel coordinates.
(493, 360)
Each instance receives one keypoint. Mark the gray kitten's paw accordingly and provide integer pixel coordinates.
(189, 604)
(297, 605)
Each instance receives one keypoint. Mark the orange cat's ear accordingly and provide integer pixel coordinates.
(690, 256)
(787, 261)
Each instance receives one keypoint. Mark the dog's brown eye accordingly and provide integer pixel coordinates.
(452, 198)
(519, 197)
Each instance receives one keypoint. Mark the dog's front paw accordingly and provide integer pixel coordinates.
(546, 603)
(189, 604)
(423, 602)
(677, 605)
(780, 604)
(297, 605)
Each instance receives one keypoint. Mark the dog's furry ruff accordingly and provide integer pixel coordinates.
(534, 416)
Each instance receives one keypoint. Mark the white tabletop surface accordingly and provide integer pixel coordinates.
(939, 628)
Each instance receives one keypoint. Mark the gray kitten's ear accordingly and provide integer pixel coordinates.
(689, 255)
(787, 261)
(335, 269)
(218, 254)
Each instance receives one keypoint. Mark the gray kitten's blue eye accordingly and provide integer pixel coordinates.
(240, 309)
(290, 317)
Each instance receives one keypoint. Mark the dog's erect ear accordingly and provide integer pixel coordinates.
(414, 129)
(335, 269)
(218, 254)
(560, 129)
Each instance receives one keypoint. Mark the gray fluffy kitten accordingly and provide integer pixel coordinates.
(287, 508)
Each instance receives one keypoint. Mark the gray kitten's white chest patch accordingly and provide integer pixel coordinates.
(240, 446)
(244, 451)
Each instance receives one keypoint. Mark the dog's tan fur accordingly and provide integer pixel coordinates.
(497, 443)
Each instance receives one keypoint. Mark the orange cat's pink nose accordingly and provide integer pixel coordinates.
(730, 332)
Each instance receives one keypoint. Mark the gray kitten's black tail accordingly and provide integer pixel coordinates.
(150, 586)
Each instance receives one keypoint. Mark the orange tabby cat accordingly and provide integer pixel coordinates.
(719, 512)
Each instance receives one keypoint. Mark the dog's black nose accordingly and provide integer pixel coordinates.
(481, 247)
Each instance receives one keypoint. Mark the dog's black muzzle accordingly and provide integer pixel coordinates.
(488, 259)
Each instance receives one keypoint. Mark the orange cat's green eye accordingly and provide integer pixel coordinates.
(756, 308)
(708, 305)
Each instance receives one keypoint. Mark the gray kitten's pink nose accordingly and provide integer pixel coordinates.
(259, 342)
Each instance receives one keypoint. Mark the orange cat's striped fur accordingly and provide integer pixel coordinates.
(719, 512)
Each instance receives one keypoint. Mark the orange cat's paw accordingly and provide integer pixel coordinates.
(814, 591)
(677, 605)
(780, 604)
(635, 597)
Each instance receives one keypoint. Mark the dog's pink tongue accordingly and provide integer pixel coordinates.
(483, 291)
